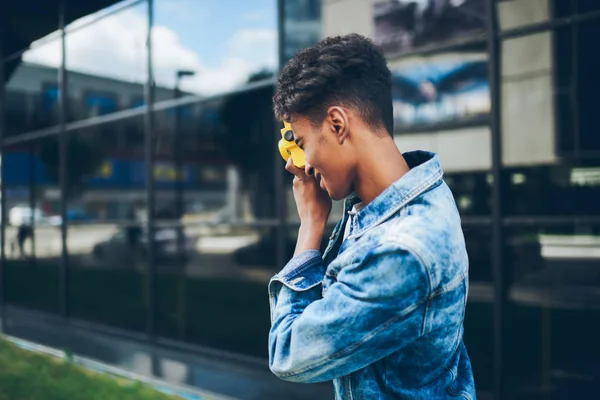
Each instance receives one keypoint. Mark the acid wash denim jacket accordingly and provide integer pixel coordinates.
(381, 312)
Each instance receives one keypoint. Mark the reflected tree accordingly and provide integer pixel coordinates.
(251, 143)
(261, 75)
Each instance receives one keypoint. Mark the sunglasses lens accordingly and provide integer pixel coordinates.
(289, 136)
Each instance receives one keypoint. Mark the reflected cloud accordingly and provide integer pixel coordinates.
(115, 47)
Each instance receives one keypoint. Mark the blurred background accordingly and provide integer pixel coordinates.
(145, 206)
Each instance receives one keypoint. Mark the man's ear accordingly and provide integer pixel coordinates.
(338, 123)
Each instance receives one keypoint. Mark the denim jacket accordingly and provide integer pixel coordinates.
(381, 312)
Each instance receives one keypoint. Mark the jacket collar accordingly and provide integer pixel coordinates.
(425, 172)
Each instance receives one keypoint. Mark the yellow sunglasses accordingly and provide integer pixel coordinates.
(288, 147)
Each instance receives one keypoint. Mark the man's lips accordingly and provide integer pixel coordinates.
(320, 181)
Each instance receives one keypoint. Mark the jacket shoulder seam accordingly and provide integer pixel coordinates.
(417, 254)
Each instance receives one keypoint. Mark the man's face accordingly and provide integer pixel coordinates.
(330, 160)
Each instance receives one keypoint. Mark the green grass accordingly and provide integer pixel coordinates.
(25, 375)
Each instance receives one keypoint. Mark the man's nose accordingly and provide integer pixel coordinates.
(308, 169)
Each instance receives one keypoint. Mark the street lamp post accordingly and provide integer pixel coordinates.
(179, 175)
(177, 150)
(182, 73)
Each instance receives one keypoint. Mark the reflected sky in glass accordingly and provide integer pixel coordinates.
(223, 41)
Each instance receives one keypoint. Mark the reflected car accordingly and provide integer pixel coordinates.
(129, 247)
(22, 215)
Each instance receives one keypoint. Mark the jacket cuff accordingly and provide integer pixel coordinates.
(303, 272)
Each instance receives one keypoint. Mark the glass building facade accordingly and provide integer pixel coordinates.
(142, 191)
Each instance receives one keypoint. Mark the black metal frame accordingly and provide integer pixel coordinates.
(149, 157)
(498, 222)
(2, 179)
(63, 164)
(280, 200)
(494, 62)
(574, 89)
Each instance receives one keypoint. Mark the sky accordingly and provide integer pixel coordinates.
(223, 41)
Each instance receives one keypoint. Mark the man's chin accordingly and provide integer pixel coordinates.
(340, 195)
(335, 196)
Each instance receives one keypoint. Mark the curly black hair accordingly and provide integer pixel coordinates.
(345, 70)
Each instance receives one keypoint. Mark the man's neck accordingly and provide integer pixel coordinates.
(380, 165)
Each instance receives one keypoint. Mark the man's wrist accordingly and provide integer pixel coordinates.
(309, 237)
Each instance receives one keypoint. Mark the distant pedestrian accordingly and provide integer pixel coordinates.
(23, 232)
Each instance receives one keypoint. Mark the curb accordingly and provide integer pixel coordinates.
(183, 391)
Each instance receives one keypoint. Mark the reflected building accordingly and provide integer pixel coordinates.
(302, 25)
(164, 224)
(117, 179)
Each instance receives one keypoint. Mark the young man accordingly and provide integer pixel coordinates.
(381, 311)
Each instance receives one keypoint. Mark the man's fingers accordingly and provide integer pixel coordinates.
(292, 169)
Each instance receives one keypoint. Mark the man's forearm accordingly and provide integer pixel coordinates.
(309, 237)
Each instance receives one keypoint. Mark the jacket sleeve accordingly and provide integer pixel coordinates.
(375, 308)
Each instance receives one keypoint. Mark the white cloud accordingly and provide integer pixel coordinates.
(257, 46)
(248, 51)
(114, 47)
(46, 54)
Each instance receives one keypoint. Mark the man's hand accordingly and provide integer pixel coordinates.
(314, 206)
